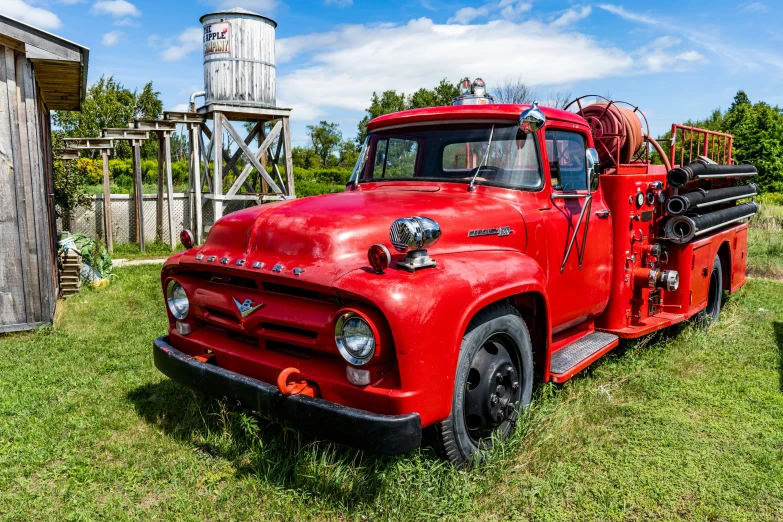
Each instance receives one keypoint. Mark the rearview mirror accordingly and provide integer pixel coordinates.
(593, 168)
(532, 119)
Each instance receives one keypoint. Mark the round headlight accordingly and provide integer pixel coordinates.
(177, 300)
(354, 338)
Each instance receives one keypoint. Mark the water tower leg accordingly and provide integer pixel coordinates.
(261, 138)
(195, 155)
(159, 201)
(169, 188)
(217, 176)
(289, 160)
(107, 201)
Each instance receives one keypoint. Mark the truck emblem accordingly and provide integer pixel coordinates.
(500, 232)
(246, 308)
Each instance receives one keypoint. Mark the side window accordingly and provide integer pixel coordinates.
(395, 158)
(566, 151)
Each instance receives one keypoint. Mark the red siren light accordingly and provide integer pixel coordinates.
(186, 238)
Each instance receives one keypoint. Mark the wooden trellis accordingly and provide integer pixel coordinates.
(104, 145)
(135, 137)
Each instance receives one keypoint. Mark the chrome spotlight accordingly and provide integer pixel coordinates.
(413, 235)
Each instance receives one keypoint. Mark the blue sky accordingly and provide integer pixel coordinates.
(674, 59)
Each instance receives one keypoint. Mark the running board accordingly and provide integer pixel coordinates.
(578, 355)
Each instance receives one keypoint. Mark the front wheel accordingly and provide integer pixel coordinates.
(494, 382)
(714, 296)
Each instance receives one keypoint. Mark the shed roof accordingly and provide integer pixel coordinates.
(60, 65)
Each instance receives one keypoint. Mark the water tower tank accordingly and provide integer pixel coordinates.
(239, 58)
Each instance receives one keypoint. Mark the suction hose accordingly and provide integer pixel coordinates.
(683, 229)
(677, 205)
(680, 176)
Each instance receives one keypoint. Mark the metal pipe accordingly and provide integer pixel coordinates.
(701, 232)
(197, 94)
(586, 207)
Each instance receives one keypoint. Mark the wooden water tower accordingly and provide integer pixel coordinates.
(239, 86)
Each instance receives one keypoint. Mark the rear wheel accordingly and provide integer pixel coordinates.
(494, 382)
(714, 296)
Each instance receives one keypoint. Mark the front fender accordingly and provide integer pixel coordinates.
(429, 310)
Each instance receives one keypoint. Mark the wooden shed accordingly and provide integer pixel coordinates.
(39, 72)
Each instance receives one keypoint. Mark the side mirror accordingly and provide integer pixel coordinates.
(532, 119)
(593, 168)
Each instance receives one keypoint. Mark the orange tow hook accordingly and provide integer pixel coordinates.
(288, 385)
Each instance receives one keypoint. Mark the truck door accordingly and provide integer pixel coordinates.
(579, 234)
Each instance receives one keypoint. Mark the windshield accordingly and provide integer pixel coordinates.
(453, 153)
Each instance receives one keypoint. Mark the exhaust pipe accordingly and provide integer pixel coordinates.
(683, 229)
(677, 205)
(680, 176)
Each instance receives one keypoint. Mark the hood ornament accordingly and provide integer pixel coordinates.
(246, 307)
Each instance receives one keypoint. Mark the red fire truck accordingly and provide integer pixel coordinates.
(477, 248)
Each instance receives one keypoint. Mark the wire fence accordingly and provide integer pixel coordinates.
(90, 222)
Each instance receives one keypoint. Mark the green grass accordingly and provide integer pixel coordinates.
(685, 425)
(155, 249)
(765, 243)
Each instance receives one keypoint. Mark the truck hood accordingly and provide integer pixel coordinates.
(327, 236)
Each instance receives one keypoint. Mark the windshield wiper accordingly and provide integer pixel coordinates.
(483, 162)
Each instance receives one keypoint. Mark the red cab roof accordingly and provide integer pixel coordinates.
(494, 111)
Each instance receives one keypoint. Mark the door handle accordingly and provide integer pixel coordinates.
(603, 213)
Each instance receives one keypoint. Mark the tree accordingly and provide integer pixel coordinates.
(305, 158)
(149, 107)
(325, 138)
(758, 139)
(393, 101)
(70, 184)
(347, 155)
(515, 90)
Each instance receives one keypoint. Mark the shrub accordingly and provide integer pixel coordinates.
(91, 170)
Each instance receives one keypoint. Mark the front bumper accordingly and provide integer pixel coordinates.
(364, 430)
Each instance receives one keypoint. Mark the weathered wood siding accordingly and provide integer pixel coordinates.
(28, 285)
(246, 74)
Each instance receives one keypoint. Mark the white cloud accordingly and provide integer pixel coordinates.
(468, 14)
(35, 16)
(572, 15)
(188, 41)
(180, 107)
(716, 44)
(111, 38)
(116, 8)
(362, 59)
(658, 56)
(259, 6)
(756, 7)
(339, 3)
(508, 10)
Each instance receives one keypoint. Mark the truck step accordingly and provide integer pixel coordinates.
(580, 351)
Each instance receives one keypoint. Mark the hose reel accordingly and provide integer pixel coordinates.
(616, 127)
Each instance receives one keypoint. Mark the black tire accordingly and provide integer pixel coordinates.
(714, 296)
(485, 401)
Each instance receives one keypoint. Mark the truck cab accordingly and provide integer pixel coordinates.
(477, 248)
